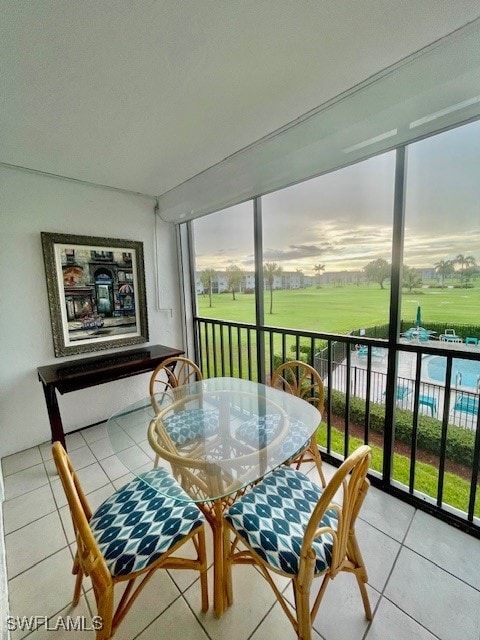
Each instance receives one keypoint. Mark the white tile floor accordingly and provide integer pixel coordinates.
(424, 577)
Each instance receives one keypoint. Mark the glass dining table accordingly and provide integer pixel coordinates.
(217, 437)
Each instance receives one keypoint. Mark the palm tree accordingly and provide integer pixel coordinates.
(471, 271)
(206, 278)
(464, 262)
(460, 259)
(318, 270)
(444, 268)
(270, 270)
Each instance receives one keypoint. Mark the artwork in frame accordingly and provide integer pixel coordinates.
(96, 292)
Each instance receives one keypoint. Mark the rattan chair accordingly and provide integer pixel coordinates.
(214, 478)
(171, 373)
(186, 428)
(288, 525)
(124, 539)
(302, 380)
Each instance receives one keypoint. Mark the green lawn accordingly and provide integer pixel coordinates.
(341, 309)
(456, 490)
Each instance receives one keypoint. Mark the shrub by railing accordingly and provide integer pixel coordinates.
(377, 331)
(462, 330)
(459, 445)
(305, 351)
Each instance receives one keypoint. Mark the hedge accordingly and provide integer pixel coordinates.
(462, 330)
(459, 444)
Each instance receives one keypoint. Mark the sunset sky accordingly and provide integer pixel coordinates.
(344, 219)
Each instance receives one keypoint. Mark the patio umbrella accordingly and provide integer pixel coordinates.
(418, 320)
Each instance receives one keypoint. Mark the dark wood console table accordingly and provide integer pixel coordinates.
(73, 375)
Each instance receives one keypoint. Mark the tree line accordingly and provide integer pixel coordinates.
(235, 276)
(377, 271)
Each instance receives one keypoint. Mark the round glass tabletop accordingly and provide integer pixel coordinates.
(215, 436)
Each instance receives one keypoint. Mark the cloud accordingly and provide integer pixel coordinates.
(425, 251)
(345, 219)
(296, 252)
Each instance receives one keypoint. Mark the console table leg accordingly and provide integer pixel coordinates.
(53, 409)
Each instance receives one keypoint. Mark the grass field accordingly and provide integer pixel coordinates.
(341, 309)
(456, 490)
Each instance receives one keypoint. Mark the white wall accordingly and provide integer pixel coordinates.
(31, 203)
(4, 611)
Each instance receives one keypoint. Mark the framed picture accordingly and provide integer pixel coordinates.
(96, 292)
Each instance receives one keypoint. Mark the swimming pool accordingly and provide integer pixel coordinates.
(469, 370)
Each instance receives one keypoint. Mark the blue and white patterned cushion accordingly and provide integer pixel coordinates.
(264, 429)
(186, 426)
(137, 524)
(273, 515)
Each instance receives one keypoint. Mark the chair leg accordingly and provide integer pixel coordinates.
(319, 598)
(78, 588)
(365, 600)
(216, 522)
(227, 566)
(105, 613)
(202, 555)
(302, 606)
(317, 459)
(77, 570)
(355, 556)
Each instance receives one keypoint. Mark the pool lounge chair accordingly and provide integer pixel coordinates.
(449, 336)
(428, 401)
(401, 393)
(419, 333)
(467, 404)
(377, 352)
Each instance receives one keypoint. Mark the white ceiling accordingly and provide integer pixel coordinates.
(144, 94)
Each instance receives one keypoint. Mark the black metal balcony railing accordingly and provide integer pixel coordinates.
(425, 432)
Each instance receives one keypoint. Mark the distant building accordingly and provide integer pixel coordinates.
(298, 280)
(292, 280)
(427, 273)
(286, 280)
